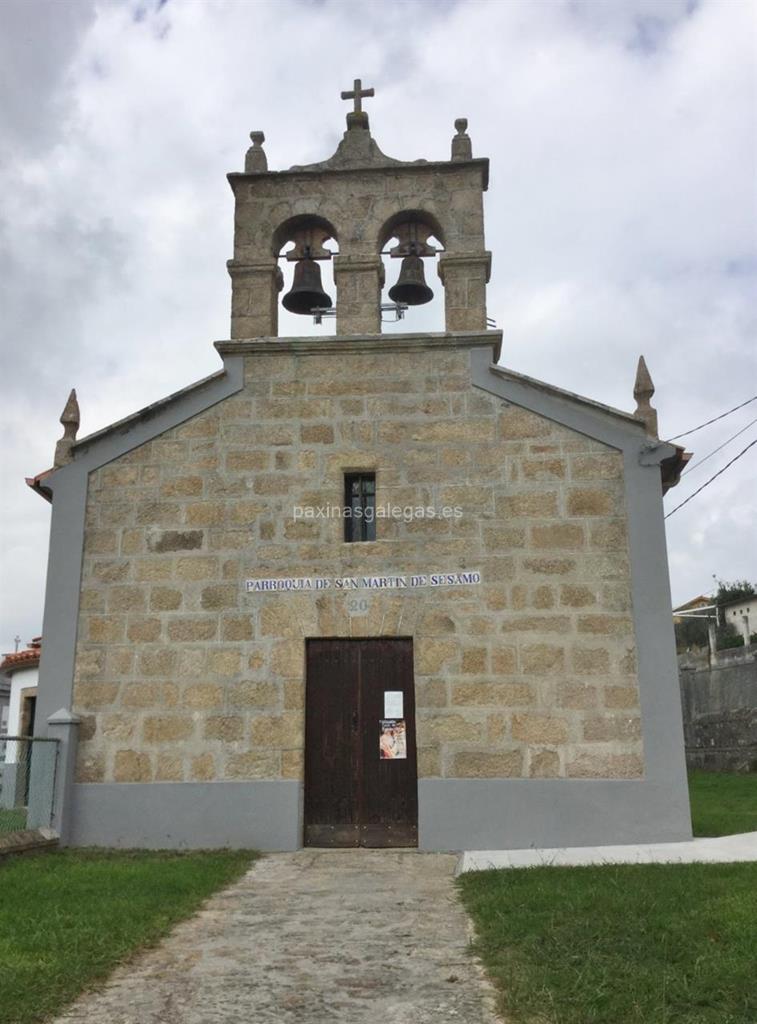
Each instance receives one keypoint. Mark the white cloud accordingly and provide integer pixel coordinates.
(621, 211)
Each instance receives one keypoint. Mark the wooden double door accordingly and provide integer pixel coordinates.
(360, 751)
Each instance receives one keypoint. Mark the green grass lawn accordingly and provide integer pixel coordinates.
(635, 944)
(653, 944)
(722, 804)
(69, 916)
(632, 944)
(12, 819)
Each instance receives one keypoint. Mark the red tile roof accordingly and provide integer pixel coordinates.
(694, 603)
(37, 484)
(28, 658)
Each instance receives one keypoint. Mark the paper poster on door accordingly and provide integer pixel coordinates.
(393, 704)
(393, 739)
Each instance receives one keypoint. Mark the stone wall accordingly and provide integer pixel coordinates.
(719, 704)
(181, 675)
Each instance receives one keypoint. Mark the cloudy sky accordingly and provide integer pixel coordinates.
(621, 210)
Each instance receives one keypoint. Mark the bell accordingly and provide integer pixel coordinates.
(307, 291)
(411, 287)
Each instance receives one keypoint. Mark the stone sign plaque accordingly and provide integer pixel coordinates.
(346, 584)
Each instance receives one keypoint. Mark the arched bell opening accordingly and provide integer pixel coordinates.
(305, 247)
(410, 244)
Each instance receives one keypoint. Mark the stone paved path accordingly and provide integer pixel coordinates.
(342, 936)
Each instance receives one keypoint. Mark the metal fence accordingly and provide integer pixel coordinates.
(27, 782)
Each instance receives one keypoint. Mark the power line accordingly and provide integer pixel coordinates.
(704, 459)
(713, 477)
(714, 419)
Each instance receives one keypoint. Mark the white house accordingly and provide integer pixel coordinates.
(22, 669)
(742, 613)
(5, 696)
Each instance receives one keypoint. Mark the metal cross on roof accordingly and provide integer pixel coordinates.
(357, 93)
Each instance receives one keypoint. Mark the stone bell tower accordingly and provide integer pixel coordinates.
(360, 199)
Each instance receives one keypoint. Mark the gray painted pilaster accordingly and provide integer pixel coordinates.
(657, 667)
(61, 615)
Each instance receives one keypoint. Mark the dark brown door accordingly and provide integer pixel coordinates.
(354, 796)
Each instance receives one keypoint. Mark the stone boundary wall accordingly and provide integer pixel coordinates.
(12, 843)
(720, 711)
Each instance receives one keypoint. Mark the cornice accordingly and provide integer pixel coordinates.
(339, 344)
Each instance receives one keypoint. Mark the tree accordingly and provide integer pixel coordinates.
(691, 632)
(740, 589)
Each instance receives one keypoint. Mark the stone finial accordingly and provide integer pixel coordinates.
(255, 161)
(70, 420)
(461, 143)
(643, 390)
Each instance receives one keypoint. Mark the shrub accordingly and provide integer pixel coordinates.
(726, 642)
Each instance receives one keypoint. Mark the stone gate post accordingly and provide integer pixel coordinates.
(64, 726)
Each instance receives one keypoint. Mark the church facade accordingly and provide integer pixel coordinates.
(365, 589)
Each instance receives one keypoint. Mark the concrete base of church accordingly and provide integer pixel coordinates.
(454, 814)
(261, 815)
(511, 814)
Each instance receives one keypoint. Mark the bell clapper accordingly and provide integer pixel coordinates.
(319, 312)
(398, 308)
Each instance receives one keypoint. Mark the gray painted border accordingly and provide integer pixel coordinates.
(69, 487)
(265, 814)
(454, 813)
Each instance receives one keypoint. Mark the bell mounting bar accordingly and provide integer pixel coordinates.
(398, 308)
